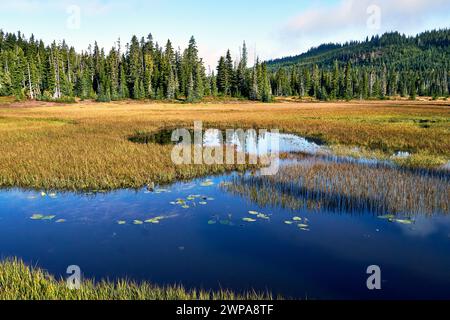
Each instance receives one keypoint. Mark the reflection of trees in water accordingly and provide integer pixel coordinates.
(347, 187)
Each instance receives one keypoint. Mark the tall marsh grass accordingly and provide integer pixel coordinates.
(318, 184)
(21, 282)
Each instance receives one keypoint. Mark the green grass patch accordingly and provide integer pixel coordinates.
(21, 282)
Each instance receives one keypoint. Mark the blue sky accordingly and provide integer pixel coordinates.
(271, 28)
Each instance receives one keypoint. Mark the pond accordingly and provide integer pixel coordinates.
(310, 231)
(251, 141)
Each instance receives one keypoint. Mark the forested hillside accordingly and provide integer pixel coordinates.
(387, 65)
(380, 67)
(141, 69)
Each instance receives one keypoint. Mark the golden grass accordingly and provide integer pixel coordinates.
(21, 282)
(319, 184)
(85, 146)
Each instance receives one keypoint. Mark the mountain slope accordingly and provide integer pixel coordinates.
(429, 49)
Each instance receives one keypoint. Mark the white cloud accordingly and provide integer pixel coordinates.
(353, 20)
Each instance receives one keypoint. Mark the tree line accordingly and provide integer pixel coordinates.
(141, 70)
(380, 67)
(348, 82)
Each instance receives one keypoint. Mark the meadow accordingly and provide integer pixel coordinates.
(86, 145)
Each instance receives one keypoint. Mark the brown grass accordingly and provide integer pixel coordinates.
(85, 146)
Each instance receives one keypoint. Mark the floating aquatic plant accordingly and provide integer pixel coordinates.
(60, 221)
(38, 216)
(158, 191)
(403, 221)
(263, 216)
(207, 183)
(393, 218)
(121, 222)
(138, 222)
(155, 220)
(249, 220)
(387, 217)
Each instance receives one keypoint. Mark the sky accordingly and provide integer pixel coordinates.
(271, 29)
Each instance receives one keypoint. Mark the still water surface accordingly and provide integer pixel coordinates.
(200, 235)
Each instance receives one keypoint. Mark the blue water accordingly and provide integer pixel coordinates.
(327, 262)
(202, 241)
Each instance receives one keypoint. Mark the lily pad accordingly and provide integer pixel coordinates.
(121, 222)
(48, 217)
(254, 213)
(288, 222)
(155, 220)
(138, 222)
(404, 221)
(185, 207)
(211, 222)
(249, 220)
(43, 194)
(297, 219)
(263, 216)
(203, 203)
(387, 217)
(303, 226)
(207, 183)
(37, 217)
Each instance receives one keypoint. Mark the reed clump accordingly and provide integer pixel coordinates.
(318, 184)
